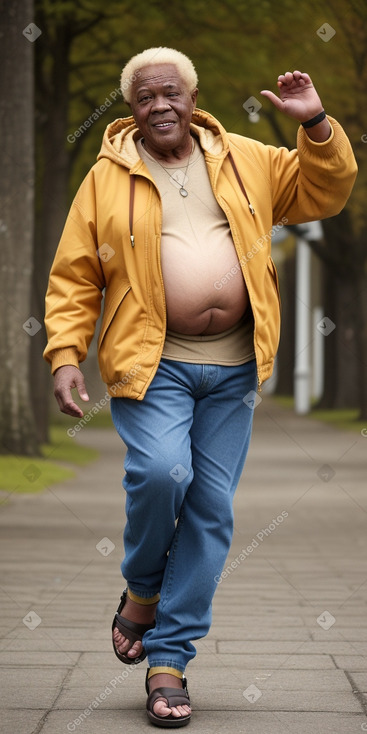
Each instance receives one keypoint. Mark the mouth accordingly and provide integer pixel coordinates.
(164, 125)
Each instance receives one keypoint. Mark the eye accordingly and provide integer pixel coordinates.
(145, 98)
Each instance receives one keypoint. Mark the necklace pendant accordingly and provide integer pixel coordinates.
(183, 192)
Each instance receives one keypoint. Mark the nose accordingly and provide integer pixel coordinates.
(160, 104)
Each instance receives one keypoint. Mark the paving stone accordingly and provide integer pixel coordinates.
(122, 698)
(334, 647)
(114, 676)
(102, 721)
(284, 680)
(341, 634)
(134, 721)
(360, 680)
(102, 632)
(31, 696)
(242, 632)
(300, 647)
(351, 662)
(40, 676)
(22, 720)
(267, 662)
(62, 645)
(39, 658)
(261, 621)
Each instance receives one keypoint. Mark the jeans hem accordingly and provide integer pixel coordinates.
(166, 664)
(143, 594)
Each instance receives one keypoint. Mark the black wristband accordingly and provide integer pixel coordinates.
(314, 120)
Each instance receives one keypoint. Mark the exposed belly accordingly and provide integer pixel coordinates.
(203, 294)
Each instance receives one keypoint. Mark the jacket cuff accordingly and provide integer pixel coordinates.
(327, 149)
(62, 357)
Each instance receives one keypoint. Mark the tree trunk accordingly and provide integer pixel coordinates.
(342, 379)
(19, 325)
(326, 401)
(54, 162)
(348, 387)
(285, 381)
(362, 344)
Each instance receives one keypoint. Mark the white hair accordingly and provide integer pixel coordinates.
(159, 55)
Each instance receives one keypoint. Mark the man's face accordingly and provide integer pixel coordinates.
(162, 106)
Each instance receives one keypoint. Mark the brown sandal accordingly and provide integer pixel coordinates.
(132, 631)
(174, 697)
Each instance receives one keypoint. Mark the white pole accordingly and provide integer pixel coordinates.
(318, 355)
(302, 336)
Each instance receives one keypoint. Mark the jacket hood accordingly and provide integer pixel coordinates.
(119, 138)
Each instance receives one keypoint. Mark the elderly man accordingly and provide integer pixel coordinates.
(174, 221)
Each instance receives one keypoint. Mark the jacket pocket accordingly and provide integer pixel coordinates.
(274, 276)
(111, 308)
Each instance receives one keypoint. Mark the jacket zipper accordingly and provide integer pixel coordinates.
(131, 208)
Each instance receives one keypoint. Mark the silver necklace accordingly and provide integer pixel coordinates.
(182, 189)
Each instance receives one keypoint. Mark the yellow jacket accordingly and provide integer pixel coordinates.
(111, 243)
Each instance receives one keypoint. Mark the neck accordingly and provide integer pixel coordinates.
(178, 153)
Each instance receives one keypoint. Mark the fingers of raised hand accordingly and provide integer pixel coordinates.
(293, 79)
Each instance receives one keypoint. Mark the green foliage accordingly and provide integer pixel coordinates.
(238, 48)
(27, 475)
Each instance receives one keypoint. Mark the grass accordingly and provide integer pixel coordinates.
(345, 419)
(30, 475)
(23, 474)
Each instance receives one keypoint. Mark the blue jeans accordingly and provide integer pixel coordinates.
(186, 446)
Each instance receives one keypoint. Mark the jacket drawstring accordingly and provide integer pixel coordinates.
(238, 177)
(131, 208)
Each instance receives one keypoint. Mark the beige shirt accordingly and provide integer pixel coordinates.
(197, 221)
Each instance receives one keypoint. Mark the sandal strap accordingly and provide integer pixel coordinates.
(123, 598)
(131, 629)
(183, 682)
(174, 697)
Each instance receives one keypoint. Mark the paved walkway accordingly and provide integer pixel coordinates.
(287, 651)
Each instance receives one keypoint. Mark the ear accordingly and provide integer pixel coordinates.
(194, 96)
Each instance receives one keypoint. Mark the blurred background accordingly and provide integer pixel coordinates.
(60, 68)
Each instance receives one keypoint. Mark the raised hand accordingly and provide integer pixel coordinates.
(297, 96)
